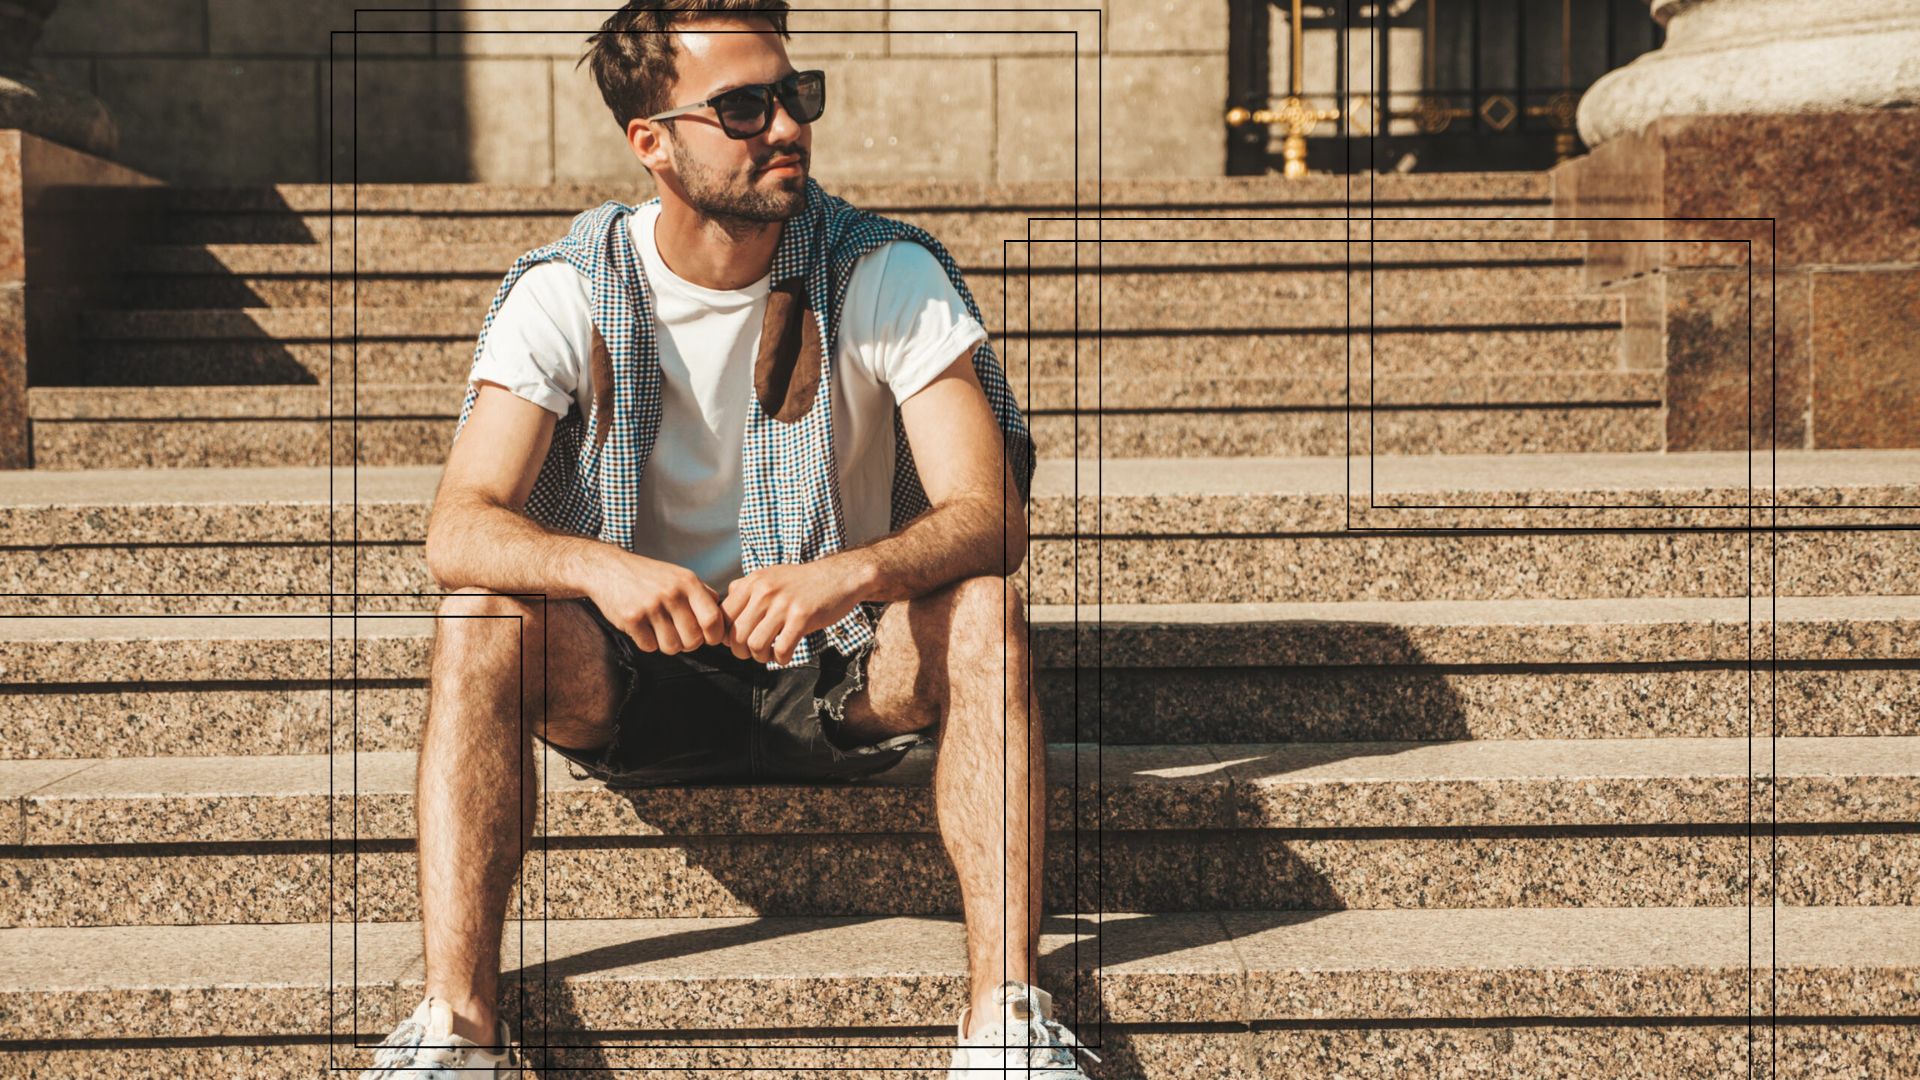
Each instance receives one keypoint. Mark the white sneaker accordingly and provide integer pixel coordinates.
(424, 1047)
(1027, 1042)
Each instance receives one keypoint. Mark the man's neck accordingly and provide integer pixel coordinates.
(715, 253)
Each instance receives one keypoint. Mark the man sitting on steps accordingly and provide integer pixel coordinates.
(739, 471)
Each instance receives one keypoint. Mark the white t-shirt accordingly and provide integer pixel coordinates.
(902, 324)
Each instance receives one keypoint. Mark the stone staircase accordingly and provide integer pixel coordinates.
(1509, 745)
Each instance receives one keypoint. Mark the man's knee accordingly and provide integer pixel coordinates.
(479, 639)
(477, 623)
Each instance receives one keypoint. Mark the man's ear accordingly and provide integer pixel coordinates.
(647, 144)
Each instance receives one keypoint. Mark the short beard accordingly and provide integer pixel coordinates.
(739, 211)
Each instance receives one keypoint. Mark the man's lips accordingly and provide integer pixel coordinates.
(775, 166)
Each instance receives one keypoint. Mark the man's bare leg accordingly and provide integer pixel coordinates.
(965, 648)
(475, 784)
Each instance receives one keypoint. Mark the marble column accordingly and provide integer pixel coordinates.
(1749, 195)
(1764, 58)
(31, 101)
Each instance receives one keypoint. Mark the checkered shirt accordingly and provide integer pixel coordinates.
(791, 509)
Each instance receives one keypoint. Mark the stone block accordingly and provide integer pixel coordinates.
(587, 141)
(423, 121)
(905, 119)
(1037, 113)
(73, 71)
(115, 28)
(1865, 335)
(331, 28)
(844, 34)
(559, 28)
(1135, 26)
(918, 28)
(1837, 186)
(533, 28)
(216, 121)
(1722, 354)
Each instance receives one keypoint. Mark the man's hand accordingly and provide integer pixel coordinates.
(665, 608)
(771, 609)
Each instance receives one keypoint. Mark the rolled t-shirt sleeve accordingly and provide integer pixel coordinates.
(533, 346)
(908, 322)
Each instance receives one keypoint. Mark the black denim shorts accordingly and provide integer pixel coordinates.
(710, 716)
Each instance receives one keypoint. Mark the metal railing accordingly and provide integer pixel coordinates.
(1419, 84)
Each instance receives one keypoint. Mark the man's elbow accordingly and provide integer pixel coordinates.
(1013, 542)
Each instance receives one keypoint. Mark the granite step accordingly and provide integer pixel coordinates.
(124, 353)
(1554, 822)
(115, 685)
(1052, 312)
(1474, 783)
(384, 424)
(1237, 530)
(1048, 225)
(1128, 275)
(1124, 249)
(956, 212)
(1380, 190)
(1638, 992)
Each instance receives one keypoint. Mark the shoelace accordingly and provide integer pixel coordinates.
(1054, 1041)
(403, 1048)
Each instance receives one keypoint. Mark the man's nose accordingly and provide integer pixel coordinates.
(784, 126)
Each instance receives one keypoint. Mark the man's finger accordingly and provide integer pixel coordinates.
(686, 624)
(642, 635)
(788, 640)
(666, 634)
(750, 620)
(760, 643)
(706, 612)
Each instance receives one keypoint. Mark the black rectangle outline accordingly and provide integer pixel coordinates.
(354, 418)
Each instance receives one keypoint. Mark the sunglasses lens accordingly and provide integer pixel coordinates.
(804, 93)
(743, 112)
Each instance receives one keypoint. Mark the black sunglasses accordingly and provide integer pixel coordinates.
(746, 111)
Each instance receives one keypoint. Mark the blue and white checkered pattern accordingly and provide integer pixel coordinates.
(791, 511)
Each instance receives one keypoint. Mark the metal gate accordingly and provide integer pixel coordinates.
(1426, 85)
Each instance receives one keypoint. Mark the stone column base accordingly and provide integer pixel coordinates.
(1800, 231)
(57, 113)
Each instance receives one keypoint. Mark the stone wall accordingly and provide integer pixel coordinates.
(237, 91)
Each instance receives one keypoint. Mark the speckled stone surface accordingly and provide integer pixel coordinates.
(1866, 867)
(984, 223)
(1531, 782)
(1205, 312)
(170, 444)
(1635, 1051)
(889, 972)
(1160, 569)
(448, 356)
(360, 431)
(1175, 673)
(1163, 433)
(1260, 272)
(1862, 331)
(1384, 192)
(1309, 355)
(1127, 246)
(104, 649)
(1173, 496)
(900, 874)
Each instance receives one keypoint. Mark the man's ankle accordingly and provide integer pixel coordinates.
(473, 1019)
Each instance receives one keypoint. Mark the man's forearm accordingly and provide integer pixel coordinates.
(476, 542)
(961, 539)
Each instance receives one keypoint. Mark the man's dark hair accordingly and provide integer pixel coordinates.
(632, 56)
